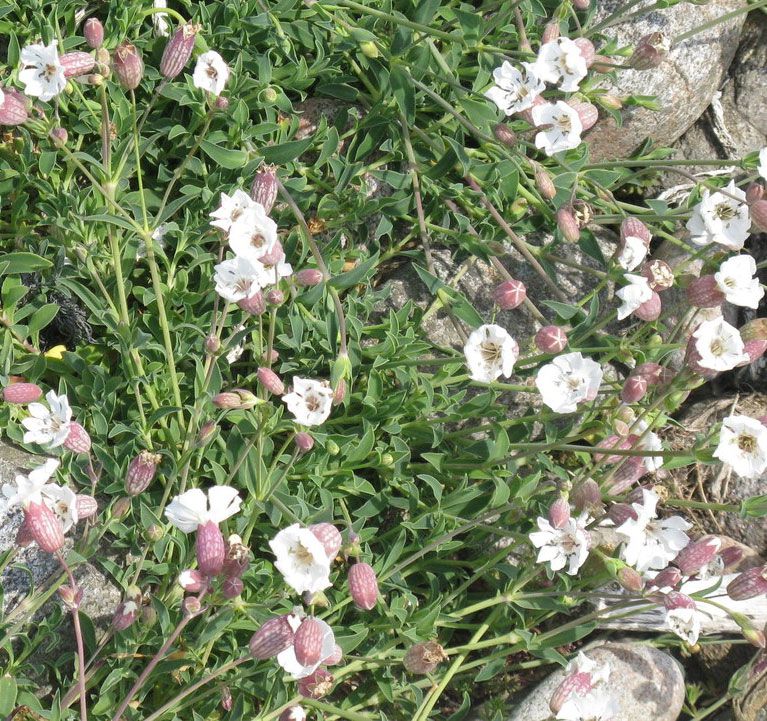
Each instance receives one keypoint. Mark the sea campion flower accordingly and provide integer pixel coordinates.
(230, 208)
(735, 279)
(301, 559)
(253, 233)
(236, 279)
(324, 647)
(211, 73)
(561, 60)
(514, 91)
(719, 345)
(567, 381)
(718, 218)
(43, 74)
(682, 616)
(632, 251)
(743, 446)
(310, 401)
(26, 489)
(566, 546)
(193, 508)
(652, 542)
(563, 127)
(48, 426)
(490, 352)
(597, 705)
(633, 295)
(271, 270)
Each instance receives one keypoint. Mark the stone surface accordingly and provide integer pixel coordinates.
(648, 684)
(683, 84)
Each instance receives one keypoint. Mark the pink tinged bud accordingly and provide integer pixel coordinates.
(551, 339)
(191, 605)
(650, 51)
(22, 393)
(45, 527)
(293, 713)
(60, 136)
(178, 50)
(510, 294)
(696, 555)
(550, 32)
(731, 556)
(505, 135)
(212, 343)
(206, 433)
(86, 506)
(78, 440)
(304, 442)
(329, 536)
(754, 349)
(545, 184)
(24, 535)
(192, 580)
(125, 615)
(121, 507)
(659, 275)
(630, 579)
(668, 578)
(211, 549)
(633, 227)
(586, 495)
(568, 226)
(749, 584)
(271, 381)
(275, 297)
(255, 305)
(588, 52)
(265, 187)
(581, 4)
(226, 698)
(94, 33)
(627, 474)
(232, 587)
(339, 392)
(316, 685)
(71, 597)
(650, 310)
(559, 513)
(128, 66)
(13, 111)
(674, 599)
(754, 192)
(578, 683)
(424, 657)
(274, 636)
(318, 598)
(653, 373)
(587, 113)
(704, 292)
(634, 389)
(335, 658)
(77, 63)
(619, 513)
(221, 103)
(237, 399)
(363, 586)
(274, 255)
(307, 643)
(308, 277)
(758, 212)
(141, 472)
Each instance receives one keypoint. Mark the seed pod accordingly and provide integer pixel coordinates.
(363, 586)
(307, 643)
(588, 52)
(650, 51)
(424, 657)
(77, 63)
(510, 294)
(22, 393)
(128, 65)
(44, 527)
(212, 344)
(635, 228)
(329, 536)
(78, 440)
(60, 136)
(255, 305)
(704, 292)
(651, 309)
(271, 381)
(634, 389)
(505, 135)
(754, 192)
(178, 50)
(236, 399)
(211, 550)
(749, 584)
(14, 109)
(86, 506)
(232, 587)
(294, 713)
(551, 339)
(304, 441)
(587, 113)
(697, 554)
(316, 685)
(559, 513)
(93, 31)
(578, 683)
(192, 580)
(265, 187)
(758, 211)
(141, 472)
(308, 277)
(568, 226)
(274, 636)
(544, 182)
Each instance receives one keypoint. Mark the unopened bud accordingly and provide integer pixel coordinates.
(424, 657)
(510, 294)
(630, 579)
(505, 135)
(93, 31)
(308, 277)
(697, 554)
(60, 136)
(634, 389)
(178, 50)
(545, 184)
(226, 698)
(232, 587)
(363, 586)
(148, 616)
(125, 615)
(128, 66)
(44, 527)
(154, 532)
(588, 53)
(78, 440)
(704, 292)
(121, 507)
(550, 32)
(651, 309)
(191, 605)
(77, 63)
(568, 226)
(551, 339)
(206, 433)
(71, 597)
(758, 212)
(212, 343)
(275, 297)
(304, 442)
(559, 513)
(271, 381)
(602, 64)
(255, 305)
(221, 103)
(141, 472)
(668, 578)
(339, 392)
(754, 192)
(610, 101)
(586, 495)
(749, 584)
(22, 393)
(650, 51)
(369, 49)
(236, 399)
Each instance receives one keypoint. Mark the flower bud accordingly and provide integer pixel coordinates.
(586, 495)
(578, 683)
(629, 579)
(424, 657)
(587, 113)
(44, 527)
(24, 535)
(634, 389)
(363, 586)
(731, 558)
(749, 584)
(211, 550)
(304, 441)
(550, 32)
(59, 136)
(668, 578)
(275, 297)
(329, 536)
(178, 50)
(78, 440)
(651, 309)
(141, 472)
(307, 643)
(308, 277)
(294, 713)
(653, 373)
(544, 182)
(221, 103)
(659, 275)
(505, 135)
(581, 4)
(104, 61)
(610, 101)
(318, 599)
(619, 513)
(125, 614)
(212, 344)
(255, 305)
(265, 187)
(369, 49)
(271, 381)
(588, 52)
(704, 292)
(754, 192)
(758, 211)
(602, 64)
(192, 580)
(121, 507)
(77, 63)
(232, 587)
(752, 634)
(510, 294)
(86, 506)
(551, 339)
(633, 227)
(71, 597)
(15, 107)
(148, 616)
(274, 636)
(316, 685)
(191, 605)
(568, 226)
(154, 532)
(226, 698)
(128, 65)
(339, 392)
(236, 399)
(93, 31)
(674, 599)
(206, 433)
(22, 393)
(697, 554)
(650, 51)
(559, 513)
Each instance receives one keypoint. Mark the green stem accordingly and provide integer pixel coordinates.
(721, 19)
(404, 22)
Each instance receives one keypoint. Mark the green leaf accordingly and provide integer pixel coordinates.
(224, 157)
(22, 262)
(404, 93)
(285, 152)
(113, 219)
(41, 317)
(458, 303)
(493, 668)
(358, 274)
(563, 310)
(8, 691)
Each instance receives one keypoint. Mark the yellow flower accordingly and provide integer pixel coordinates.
(56, 352)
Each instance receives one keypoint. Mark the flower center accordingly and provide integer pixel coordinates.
(50, 72)
(491, 352)
(257, 240)
(565, 124)
(724, 211)
(303, 554)
(211, 72)
(312, 403)
(746, 443)
(717, 347)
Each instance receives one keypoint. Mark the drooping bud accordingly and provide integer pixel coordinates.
(85, 506)
(749, 584)
(576, 683)
(424, 657)
(329, 536)
(659, 275)
(192, 580)
(567, 225)
(588, 52)
(544, 182)
(634, 389)
(629, 579)
(178, 50)
(14, 109)
(559, 513)
(206, 433)
(275, 297)
(125, 615)
(265, 187)
(754, 192)
(271, 381)
(226, 698)
(77, 63)
(255, 305)
(550, 32)
(212, 344)
(704, 292)
(551, 339)
(587, 113)
(22, 393)
(505, 135)
(93, 31)
(651, 309)
(697, 554)
(633, 227)
(211, 550)
(339, 392)
(307, 643)
(44, 527)
(232, 587)
(191, 605)
(71, 597)
(236, 399)
(586, 495)
(304, 441)
(293, 713)
(78, 440)
(128, 65)
(668, 578)
(274, 636)
(316, 685)
(510, 294)
(308, 277)
(610, 101)
(602, 64)
(141, 472)
(363, 586)
(650, 51)
(758, 211)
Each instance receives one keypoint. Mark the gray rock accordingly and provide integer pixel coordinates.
(648, 684)
(683, 84)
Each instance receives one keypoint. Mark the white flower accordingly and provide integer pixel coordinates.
(568, 546)
(160, 20)
(27, 489)
(62, 500)
(234, 355)
(561, 59)
(514, 92)
(633, 251)
(193, 508)
(253, 233)
(633, 295)
(236, 279)
(43, 76)
(652, 542)
(735, 279)
(684, 622)
(743, 446)
(287, 658)
(271, 274)
(596, 705)
(599, 671)
(719, 345)
(310, 401)
(48, 425)
(563, 131)
(301, 559)
(567, 381)
(231, 208)
(721, 219)
(762, 167)
(490, 352)
(211, 72)
(650, 442)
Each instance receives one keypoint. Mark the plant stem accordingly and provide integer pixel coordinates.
(404, 22)
(721, 19)
(78, 638)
